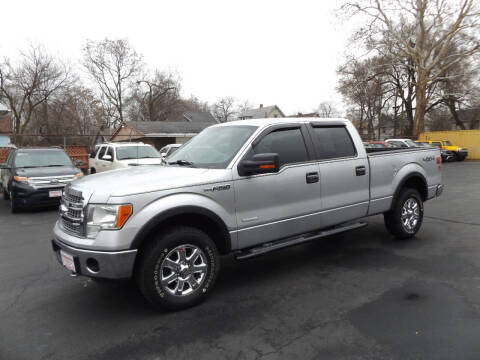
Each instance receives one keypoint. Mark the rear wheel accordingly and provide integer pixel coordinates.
(93, 171)
(177, 269)
(406, 216)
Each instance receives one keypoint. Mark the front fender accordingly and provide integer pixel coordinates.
(181, 203)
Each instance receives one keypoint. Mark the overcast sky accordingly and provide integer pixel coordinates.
(270, 52)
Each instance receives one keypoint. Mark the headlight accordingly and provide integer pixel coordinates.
(20, 179)
(106, 217)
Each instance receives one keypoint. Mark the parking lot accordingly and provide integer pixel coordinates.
(359, 295)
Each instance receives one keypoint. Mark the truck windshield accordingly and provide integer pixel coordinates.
(136, 152)
(447, 143)
(39, 158)
(214, 147)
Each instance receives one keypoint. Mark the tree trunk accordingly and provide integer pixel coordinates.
(451, 106)
(421, 102)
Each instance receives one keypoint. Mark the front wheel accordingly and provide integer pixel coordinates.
(406, 216)
(177, 269)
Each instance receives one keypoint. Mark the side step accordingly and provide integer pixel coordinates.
(267, 247)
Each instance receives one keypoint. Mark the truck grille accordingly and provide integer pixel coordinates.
(44, 182)
(71, 211)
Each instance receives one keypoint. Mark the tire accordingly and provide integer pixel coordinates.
(410, 204)
(92, 171)
(14, 208)
(162, 258)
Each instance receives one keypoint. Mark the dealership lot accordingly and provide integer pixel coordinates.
(358, 295)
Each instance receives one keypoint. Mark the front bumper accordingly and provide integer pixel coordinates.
(27, 196)
(98, 264)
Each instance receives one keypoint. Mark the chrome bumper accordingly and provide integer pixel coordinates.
(98, 264)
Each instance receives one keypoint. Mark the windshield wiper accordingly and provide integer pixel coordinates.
(181, 163)
(56, 165)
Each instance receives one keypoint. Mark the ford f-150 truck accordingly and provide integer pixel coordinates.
(247, 187)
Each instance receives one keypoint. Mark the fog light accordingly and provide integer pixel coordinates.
(93, 265)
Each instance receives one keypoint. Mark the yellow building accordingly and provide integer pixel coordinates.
(469, 139)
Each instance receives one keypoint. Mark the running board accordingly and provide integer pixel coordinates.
(271, 246)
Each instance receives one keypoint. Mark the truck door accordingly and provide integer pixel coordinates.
(282, 204)
(344, 177)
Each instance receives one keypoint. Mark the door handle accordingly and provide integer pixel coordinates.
(311, 177)
(360, 170)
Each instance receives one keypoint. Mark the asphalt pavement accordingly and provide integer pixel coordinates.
(358, 295)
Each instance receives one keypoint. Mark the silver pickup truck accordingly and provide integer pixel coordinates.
(247, 187)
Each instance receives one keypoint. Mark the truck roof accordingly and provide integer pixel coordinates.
(274, 121)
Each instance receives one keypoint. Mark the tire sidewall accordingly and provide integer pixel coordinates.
(151, 269)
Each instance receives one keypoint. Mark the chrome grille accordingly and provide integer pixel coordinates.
(50, 181)
(71, 211)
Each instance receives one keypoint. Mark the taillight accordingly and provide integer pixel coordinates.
(439, 159)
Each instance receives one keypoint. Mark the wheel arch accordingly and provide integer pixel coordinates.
(196, 216)
(414, 180)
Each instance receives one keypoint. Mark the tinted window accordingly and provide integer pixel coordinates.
(437, 144)
(102, 152)
(333, 142)
(288, 144)
(136, 152)
(110, 152)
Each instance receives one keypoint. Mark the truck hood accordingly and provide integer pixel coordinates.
(141, 179)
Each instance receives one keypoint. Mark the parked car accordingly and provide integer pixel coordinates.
(247, 187)
(36, 177)
(168, 150)
(446, 154)
(112, 156)
(402, 143)
(460, 153)
(377, 144)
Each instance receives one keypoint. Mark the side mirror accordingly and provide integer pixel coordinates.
(163, 154)
(259, 164)
(78, 162)
(107, 157)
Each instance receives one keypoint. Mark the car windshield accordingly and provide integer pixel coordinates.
(213, 148)
(136, 152)
(447, 143)
(42, 158)
(410, 143)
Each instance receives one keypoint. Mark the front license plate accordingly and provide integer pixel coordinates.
(55, 193)
(67, 260)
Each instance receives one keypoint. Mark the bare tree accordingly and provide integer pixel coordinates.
(112, 64)
(224, 109)
(243, 106)
(422, 32)
(327, 110)
(156, 98)
(28, 83)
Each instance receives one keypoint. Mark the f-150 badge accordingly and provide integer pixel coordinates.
(218, 188)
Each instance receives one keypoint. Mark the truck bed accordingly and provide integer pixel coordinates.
(391, 166)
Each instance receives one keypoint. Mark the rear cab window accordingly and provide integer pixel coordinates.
(332, 142)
